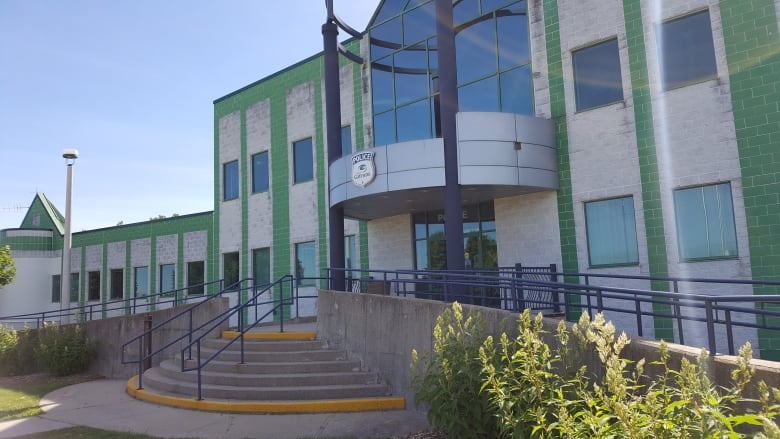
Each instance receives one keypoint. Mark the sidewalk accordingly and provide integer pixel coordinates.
(104, 404)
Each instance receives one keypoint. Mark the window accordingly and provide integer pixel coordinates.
(93, 286)
(117, 284)
(350, 255)
(230, 269)
(305, 268)
(705, 222)
(74, 287)
(303, 160)
(230, 180)
(261, 265)
(141, 284)
(260, 172)
(611, 231)
(346, 141)
(597, 80)
(195, 278)
(55, 288)
(167, 279)
(685, 50)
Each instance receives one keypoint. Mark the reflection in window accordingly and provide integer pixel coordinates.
(230, 180)
(686, 51)
(93, 286)
(611, 230)
(195, 278)
(705, 222)
(492, 55)
(230, 270)
(117, 284)
(346, 140)
(141, 281)
(260, 172)
(303, 158)
(597, 78)
(261, 265)
(167, 279)
(305, 268)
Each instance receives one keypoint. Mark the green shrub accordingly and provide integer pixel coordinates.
(449, 380)
(64, 350)
(9, 344)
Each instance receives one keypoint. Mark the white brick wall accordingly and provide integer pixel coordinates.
(140, 252)
(167, 249)
(229, 211)
(390, 243)
(94, 256)
(258, 120)
(303, 196)
(527, 230)
(195, 246)
(538, 46)
(117, 256)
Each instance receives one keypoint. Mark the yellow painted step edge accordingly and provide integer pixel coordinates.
(274, 407)
(299, 335)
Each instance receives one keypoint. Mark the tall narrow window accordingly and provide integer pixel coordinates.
(597, 80)
(261, 265)
(167, 279)
(305, 264)
(93, 286)
(117, 284)
(141, 281)
(611, 229)
(346, 141)
(195, 278)
(303, 160)
(705, 222)
(230, 180)
(74, 288)
(260, 172)
(686, 51)
(230, 270)
(350, 255)
(55, 288)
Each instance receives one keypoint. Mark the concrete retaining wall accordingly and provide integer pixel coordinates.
(382, 331)
(111, 333)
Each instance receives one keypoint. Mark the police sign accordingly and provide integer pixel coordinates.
(363, 168)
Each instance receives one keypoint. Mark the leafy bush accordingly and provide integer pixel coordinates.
(64, 350)
(534, 391)
(449, 379)
(9, 343)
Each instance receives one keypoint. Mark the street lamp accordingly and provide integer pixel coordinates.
(70, 156)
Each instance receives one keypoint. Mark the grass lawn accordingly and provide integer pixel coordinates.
(21, 402)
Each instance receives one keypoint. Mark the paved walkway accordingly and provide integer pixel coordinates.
(104, 404)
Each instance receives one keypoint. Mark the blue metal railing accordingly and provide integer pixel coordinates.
(541, 289)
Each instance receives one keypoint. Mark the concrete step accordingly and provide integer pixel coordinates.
(289, 367)
(154, 379)
(273, 357)
(264, 345)
(281, 377)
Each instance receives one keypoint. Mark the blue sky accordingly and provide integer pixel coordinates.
(131, 85)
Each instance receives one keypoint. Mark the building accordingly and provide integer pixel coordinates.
(631, 137)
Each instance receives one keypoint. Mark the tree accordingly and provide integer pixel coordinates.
(7, 266)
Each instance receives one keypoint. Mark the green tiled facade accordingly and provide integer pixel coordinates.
(750, 31)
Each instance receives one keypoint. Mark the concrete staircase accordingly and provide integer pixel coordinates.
(290, 372)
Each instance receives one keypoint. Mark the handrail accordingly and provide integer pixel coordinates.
(147, 334)
(156, 299)
(242, 328)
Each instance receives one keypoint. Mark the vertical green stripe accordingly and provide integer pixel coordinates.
(558, 114)
(104, 281)
(648, 160)
(280, 184)
(750, 33)
(128, 284)
(180, 266)
(244, 181)
(153, 270)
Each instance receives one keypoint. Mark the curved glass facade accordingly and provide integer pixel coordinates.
(493, 62)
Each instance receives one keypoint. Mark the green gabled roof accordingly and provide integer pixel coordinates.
(42, 206)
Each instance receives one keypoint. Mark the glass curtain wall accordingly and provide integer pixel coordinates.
(493, 61)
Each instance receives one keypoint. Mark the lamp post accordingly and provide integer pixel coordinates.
(70, 156)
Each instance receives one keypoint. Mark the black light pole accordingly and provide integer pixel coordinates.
(448, 102)
(330, 33)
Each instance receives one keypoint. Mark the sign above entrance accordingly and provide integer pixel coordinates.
(363, 168)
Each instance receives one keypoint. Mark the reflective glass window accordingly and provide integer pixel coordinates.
(597, 78)
(382, 89)
(74, 287)
(389, 9)
(517, 91)
(490, 5)
(464, 11)
(346, 140)
(261, 265)
(230, 269)
(93, 286)
(196, 276)
(350, 253)
(303, 158)
(167, 279)
(410, 85)
(419, 23)
(611, 231)
(260, 172)
(56, 288)
(475, 51)
(384, 128)
(686, 51)
(512, 33)
(705, 222)
(305, 263)
(117, 284)
(141, 281)
(479, 96)
(230, 180)
(415, 121)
